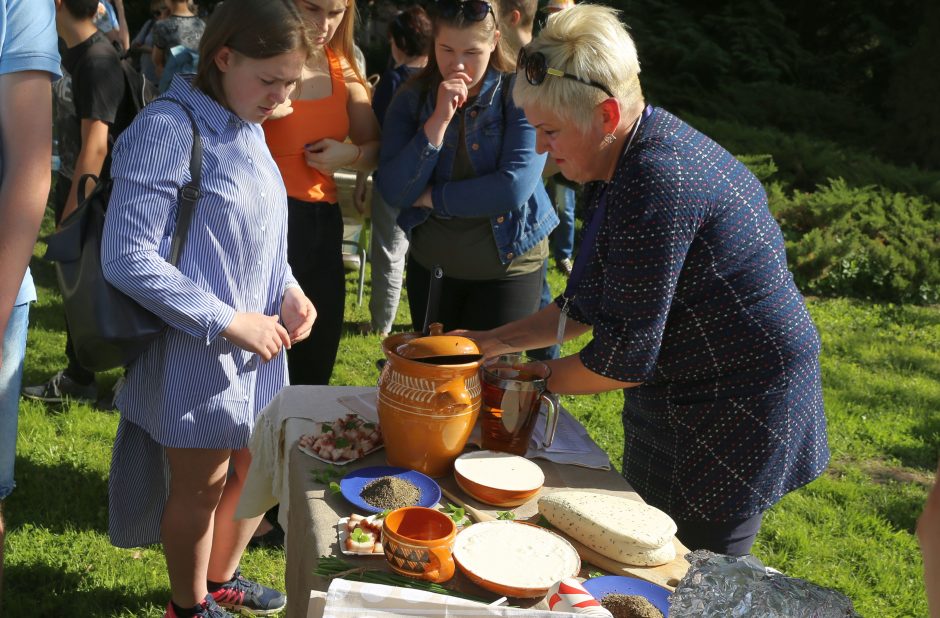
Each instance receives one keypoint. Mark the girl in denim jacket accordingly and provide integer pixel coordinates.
(458, 159)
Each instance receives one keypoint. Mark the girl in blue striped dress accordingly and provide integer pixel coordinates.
(232, 304)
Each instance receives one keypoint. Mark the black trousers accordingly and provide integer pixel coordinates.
(314, 252)
(734, 538)
(74, 370)
(476, 305)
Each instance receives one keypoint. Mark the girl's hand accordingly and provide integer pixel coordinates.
(284, 109)
(297, 314)
(451, 95)
(328, 155)
(257, 333)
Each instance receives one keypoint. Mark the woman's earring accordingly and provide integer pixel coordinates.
(609, 138)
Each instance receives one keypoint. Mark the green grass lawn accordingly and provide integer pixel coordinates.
(852, 529)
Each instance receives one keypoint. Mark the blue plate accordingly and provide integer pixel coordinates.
(599, 587)
(354, 482)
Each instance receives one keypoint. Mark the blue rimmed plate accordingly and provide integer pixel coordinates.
(599, 587)
(353, 483)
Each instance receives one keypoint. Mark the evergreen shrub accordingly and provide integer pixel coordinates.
(864, 242)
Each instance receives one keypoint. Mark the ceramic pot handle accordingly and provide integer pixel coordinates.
(453, 396)
(441, 565)
(551, 418)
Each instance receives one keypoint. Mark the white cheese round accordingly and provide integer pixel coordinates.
(501, 471)
(626, 530)
(515, 554)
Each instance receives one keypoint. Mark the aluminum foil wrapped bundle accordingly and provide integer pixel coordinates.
(719, 585)
(569, 595)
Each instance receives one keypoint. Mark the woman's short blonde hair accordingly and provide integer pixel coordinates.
(589, 42)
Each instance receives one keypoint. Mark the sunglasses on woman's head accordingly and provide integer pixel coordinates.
(473, 10)
(536, 69)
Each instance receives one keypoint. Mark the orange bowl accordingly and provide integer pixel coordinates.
(491, 555)
(498, 479)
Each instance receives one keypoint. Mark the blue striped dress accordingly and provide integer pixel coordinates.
(191, 388)
(689, 294)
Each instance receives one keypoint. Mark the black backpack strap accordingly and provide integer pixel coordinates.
(188, 193)
(80, 191)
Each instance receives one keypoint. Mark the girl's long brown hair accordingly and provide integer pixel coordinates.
(254, 28)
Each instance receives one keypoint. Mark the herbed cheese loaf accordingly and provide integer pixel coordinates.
(622, 529)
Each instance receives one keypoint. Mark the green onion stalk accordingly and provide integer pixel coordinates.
(332, 567)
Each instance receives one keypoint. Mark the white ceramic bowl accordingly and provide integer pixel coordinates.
(499, 479)
(514, 559)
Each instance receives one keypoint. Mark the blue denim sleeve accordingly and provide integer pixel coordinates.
(506, 188)
(406, 158)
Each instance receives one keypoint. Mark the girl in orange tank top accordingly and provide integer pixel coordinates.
(327, 125)
(311, 121)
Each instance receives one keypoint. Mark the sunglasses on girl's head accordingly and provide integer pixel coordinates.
(473, 10)
(536, 68)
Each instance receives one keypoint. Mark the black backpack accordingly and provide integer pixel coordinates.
(139, 90)
(108, 328)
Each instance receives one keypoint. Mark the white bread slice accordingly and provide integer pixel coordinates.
(625, 530)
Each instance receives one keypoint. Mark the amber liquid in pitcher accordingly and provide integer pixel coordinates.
(507, 417)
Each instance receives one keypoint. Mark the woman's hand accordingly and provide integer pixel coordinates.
(328, 155)
(284, 109)
(257, 333)
(451, 95)
(360, 192)
(297, 314)
(490, 345)
(424, 200)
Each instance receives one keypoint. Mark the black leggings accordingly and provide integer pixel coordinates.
(734, 538)
(314, 252)
(475, 305)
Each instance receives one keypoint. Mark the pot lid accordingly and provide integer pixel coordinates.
(440, 346)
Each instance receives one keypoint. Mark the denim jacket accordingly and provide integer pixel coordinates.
(501, 145)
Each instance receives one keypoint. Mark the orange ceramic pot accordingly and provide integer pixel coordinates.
(419, 542)
(426, 410)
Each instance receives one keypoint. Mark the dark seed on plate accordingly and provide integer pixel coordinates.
(390, 492)
(630, 606)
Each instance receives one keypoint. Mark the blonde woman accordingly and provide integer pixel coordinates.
(682, 282)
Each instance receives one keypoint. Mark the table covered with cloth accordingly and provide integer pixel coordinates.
(309, 511)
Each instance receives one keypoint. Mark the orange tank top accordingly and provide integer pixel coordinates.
(311, 120)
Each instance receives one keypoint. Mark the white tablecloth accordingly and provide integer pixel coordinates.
(294, 412)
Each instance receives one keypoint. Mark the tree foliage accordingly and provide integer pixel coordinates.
(858, 73)
(865, 242)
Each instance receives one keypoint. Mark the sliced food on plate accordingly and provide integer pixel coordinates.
(342, 440)
(361, 535)
(624, 530)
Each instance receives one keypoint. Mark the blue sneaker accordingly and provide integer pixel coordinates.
(248, 598)
(207, 609)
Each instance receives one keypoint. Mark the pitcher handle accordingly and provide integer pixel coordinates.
(551, 418)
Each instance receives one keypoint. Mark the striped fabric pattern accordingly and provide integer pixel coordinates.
(689, 293)
(192, 388)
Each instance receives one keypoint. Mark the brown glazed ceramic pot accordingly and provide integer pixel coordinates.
(427, 410)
